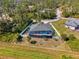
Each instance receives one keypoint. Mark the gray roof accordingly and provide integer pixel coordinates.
(40, 27)
(72, 22)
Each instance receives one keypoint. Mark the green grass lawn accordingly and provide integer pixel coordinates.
(74, 44)
(23, 54)
(60, 26)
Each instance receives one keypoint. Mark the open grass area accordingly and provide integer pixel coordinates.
(24, 54)
(74, 44)
(61, 27)
(20, 52)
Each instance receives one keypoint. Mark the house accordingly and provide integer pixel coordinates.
(41, 30)
(72, 23)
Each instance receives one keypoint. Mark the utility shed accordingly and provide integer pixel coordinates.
(41, 30)
(72, 23)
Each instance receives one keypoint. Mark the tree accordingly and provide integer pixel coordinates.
(65, 37)
(72, 37)
(28, 38)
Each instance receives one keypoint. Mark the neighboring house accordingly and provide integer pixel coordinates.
(72, 23)
(41, 30)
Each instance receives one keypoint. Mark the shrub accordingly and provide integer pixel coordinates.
(72, 37)
(28, 38)
(8, 37)
(33, 42)
(65, 37)
(19, 39)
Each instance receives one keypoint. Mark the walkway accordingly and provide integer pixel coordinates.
(55, 30)
(49, 20)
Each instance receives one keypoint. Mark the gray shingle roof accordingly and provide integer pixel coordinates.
(40, 27)
(72, 22)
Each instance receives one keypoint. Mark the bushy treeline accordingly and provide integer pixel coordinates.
(21, 11)
(17, 12)
(70, 8)
(14, 17)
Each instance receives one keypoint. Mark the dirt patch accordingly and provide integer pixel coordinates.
(6, 57)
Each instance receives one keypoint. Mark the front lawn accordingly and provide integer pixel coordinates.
(24, 54)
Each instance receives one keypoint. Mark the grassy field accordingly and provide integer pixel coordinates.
(20, 53)
(74, 44)
(9, 51)
(24, 54)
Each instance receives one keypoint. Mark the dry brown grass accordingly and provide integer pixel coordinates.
(54, 53)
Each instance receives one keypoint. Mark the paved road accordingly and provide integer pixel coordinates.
(52, 20)
(49, 20)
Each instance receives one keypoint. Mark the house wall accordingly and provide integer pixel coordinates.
(77, 28)
(41, 36)
(46, 34)
(70, 27)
